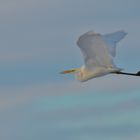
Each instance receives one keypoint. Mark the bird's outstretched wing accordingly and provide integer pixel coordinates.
(113, 38)
(94, 50)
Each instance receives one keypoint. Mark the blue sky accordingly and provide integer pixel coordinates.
(37, 41)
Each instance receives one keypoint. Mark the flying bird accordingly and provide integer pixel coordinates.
(98, 51)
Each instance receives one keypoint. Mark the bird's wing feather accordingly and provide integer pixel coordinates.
(113, 38)
(94, 50)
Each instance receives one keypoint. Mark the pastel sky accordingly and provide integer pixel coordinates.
(37, 41)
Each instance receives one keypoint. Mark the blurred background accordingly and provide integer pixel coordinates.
(37, 41)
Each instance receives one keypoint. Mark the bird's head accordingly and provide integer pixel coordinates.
(78, 72)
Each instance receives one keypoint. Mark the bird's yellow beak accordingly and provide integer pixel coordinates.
(68, 71)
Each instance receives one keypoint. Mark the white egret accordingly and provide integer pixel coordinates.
(98, 51)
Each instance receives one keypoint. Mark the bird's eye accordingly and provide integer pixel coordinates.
(80, 74)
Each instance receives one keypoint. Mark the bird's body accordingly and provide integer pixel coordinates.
(84, 74)
(98, 52)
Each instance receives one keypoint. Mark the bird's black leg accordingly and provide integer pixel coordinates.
(125, 73)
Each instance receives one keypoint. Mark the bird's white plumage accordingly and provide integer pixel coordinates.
(98, 49)
(111, 40)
